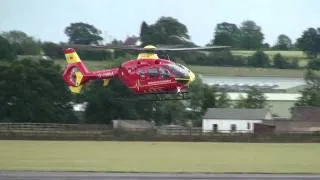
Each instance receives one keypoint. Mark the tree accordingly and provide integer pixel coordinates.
(166, 30)
(283, 42)
(34, 92)
(259, 59)
(170, 112)
(226, 34)
(223, 100)
(251, 35)
(108, 103)
(310, 95)
(309, 42)
(255, 99)
(118, 102)
(82, 33)
(265, 45)
(280, 62)
(145, 33)
(7, 51)
(204, 96)
(52, 50)
(314, 64)
(22, 43)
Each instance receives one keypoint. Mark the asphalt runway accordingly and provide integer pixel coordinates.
(15, 175)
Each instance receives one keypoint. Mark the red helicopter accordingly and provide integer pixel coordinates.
(144, 75)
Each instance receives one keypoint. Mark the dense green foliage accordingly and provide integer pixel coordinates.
(251, 35)
(34, 92)
(116, 101)
(82, 33)
(281, 62)
(311, 93)
(255, 99)
(22, 43)
(259, 59)
(52, 50)
(226, 34)
(309, 42)
(283, 42)
(7, 52)
(166, 30)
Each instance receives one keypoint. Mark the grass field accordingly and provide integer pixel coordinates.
(291, 54)
(158, 156)
(298, 55)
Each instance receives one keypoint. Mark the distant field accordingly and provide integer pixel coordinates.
(214, 70)
(299, 55)
(159, 156)
(292, 54)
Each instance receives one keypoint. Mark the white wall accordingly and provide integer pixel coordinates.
(224, 125)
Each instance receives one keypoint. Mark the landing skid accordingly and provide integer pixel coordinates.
(162, 96)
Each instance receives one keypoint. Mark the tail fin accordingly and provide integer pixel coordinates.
(75, 73)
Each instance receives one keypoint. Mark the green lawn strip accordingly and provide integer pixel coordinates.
(291, 54)
(158, 156)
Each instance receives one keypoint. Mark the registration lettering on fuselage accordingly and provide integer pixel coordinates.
(105, 74)
(159, 82)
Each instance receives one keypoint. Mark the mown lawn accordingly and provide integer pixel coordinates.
(159, 156)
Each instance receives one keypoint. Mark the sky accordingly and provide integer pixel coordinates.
(46, 20)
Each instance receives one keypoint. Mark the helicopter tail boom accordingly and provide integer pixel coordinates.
(76, 73)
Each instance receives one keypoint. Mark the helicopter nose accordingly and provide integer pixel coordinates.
(192, 77)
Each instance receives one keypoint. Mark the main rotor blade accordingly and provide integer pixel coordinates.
(136, 48)
(194, 48)
(99, 47)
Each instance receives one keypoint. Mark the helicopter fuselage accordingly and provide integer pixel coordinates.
(147, 74)
(155, 75)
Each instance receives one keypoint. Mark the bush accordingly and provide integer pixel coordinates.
(280, 62)
(52, 50)
(314, 64)
(259, 59)
(7, 51)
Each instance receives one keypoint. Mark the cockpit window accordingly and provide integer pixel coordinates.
(141, 73)
(153, 72)
(164, 73)
(179, 70)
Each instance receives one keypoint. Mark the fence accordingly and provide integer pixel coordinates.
(105, 132)
(52, 127)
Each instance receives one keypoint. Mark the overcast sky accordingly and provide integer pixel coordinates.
(46, 19)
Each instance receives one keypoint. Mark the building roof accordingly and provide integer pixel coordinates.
(306, 114)
(132, 40)
(269, 96)
(241, 114)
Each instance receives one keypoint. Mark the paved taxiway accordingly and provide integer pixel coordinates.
(15, 175)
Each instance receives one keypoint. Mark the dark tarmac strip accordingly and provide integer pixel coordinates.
(15, 175)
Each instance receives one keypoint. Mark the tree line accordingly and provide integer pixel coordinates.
(33, 91)
(165, 31)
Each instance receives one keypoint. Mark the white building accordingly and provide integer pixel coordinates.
(228, 120)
